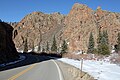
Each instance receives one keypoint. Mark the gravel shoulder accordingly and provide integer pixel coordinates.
(71, 73)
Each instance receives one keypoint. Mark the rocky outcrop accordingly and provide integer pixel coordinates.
(74, 28)
(79, 23)
(82, 20)
(13, 24)
(7, 47)
(37, 27)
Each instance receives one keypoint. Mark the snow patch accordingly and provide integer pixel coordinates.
(21, 51)
(30, 50)
(36, 49)
(100, 70)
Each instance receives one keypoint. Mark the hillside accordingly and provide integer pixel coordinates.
(38, 26)
(74, 27)
(82, 20)
(7, 47)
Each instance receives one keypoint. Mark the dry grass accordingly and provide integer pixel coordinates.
(84, 56)
(79, 56)
(113, 58)
(116, 58)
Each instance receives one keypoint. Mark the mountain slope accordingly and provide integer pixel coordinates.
(82, 20)
(74, 27)
(38, 26)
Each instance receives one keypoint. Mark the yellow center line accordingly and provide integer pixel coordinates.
(21, 73)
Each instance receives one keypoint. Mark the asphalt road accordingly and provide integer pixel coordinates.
(45, 70)
(30, 59)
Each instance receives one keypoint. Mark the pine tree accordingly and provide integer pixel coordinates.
(39, 48)
(104, 49)
(105, 35)
(32, 46)
(54, 45)
(47, 46)
(91, 44)
(103, 44)
(99, 42)
(117, 48)
(25, 46)
(43, 49)
(64, 47)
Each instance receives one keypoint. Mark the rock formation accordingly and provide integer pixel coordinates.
(82, 20)
(7, 47)
(13, 24)
(74, 27)
(38, 26)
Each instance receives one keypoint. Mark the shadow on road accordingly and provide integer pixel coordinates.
(31, 58)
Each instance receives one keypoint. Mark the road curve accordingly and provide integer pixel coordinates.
(46, 70)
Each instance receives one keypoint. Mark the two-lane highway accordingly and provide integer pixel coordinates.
(46, 70)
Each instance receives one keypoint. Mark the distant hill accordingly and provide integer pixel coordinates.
(74, 27)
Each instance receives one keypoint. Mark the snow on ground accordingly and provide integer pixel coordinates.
(20, 59)
(30, 50)
(21, 51)
(100, 70)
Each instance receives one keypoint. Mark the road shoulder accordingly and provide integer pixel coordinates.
(71, 73)
(59, 71)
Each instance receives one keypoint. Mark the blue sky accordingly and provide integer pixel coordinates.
(15, 10)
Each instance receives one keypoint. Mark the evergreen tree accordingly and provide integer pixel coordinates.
(117, 48)
(104, 49)
(64, 47)
(43, 49)
(91, 44)
(54, 45)
(39, 47)
(47, 46)
(32, 46)
(105, 35)
(25, 46)
(103, 44)
(99, 42)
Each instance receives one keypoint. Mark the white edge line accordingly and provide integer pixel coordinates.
(59, 71)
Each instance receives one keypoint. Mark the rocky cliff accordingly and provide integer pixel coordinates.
(7, 47)
(37, 27)
(74, 27)
(82, 20)
(13, 24)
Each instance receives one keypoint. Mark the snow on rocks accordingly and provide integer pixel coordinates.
(100, 70)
